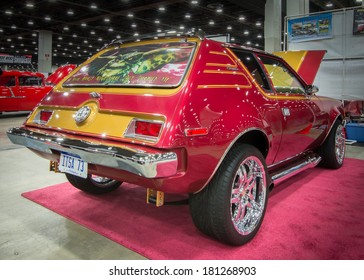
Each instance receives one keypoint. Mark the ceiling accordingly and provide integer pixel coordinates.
(80, 28)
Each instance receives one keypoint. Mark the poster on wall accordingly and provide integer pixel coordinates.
(15, 59)
(358, 22)
(310, 28)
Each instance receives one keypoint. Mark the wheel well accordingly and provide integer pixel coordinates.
(257, 139)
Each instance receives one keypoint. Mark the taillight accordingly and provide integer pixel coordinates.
(147, 128)
(144, 129)
(43, 116)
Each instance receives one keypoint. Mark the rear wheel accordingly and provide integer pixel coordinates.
(232, 207)
(332, 150)
(93, 184)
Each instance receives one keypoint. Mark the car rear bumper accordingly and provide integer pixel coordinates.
(145, 162)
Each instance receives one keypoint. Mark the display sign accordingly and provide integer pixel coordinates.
(309, 28)
(358, 22)
(15, 59)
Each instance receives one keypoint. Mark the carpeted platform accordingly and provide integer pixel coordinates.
(318, 214)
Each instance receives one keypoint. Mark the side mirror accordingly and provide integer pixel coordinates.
(311, 89)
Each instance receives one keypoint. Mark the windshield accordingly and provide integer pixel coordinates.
(160, 65)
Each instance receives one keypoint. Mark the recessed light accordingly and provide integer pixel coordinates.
(181, 27)
(329, 5)
(229, 27)
(130, 15)
(162, 9)
(187, 16)
(258, 23)
(93, 6)
(194, 2)
(47, 18)
(29, 5)
(111, 29)
(241, 18)
(8, 40)
(106, 19)
(99, 39)
(70, 12)
(157, 21)
(20, 37)
(133, 25)
(246, 32)
(30, 22)
(66, 28)
(92, 32)
(13, 26)
(211, 22)
(8, 12)
(219, 10)
(74, 35)
(83, 24)
(259, 36)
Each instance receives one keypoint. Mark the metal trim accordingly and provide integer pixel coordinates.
(148, 163)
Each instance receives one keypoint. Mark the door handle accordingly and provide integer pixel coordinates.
(286, 112)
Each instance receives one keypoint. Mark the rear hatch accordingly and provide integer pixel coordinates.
(125, 92)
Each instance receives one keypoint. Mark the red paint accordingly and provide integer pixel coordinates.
(217, 96)
(310, 65)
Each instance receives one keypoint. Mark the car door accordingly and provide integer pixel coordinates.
(300, 113)
(30, 91)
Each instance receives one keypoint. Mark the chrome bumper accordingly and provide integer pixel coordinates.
(149, 163)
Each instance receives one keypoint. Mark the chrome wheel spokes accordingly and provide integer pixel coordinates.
(340, 144)
(248, 195)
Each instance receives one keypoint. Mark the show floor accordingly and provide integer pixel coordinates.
(30, 231)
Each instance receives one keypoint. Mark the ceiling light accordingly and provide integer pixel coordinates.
(66, 28)
(136, 34)
(211, 22)
(159, 30)
(187, 16)
(259, 36)
(232, 39)
(30, 22)
(133, 25)
(118, 36)
(85, 41)
(111, 29)
(70, 43)
(93, 6)
(1, 30)
(106, 19)
(181, 27)
(329, 5)
(162, 9)
(20, 37)
(157, 21)
(8, 40)
(248, 43)
(242, 18)
(229, 27)
(246, 32)
(47, 18)
(60, 38)
(99, 39)
(83, 24)
(194, 2)
(29, 5)
(13, 26)
(258, 23)
(70, 12)
(92, 32)
(130, 15)
(219, 10)
(34, 34)
(74, 35)
(8, 12)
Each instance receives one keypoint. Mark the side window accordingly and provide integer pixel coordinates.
(30, 81)
(250, 62)
(283, 80)
(8, 81)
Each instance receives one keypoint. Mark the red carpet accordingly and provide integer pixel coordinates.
(315, 215)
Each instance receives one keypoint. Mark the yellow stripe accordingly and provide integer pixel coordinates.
(224, 72)
(221, 65)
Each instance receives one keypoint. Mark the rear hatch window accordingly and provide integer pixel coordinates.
(151, 65)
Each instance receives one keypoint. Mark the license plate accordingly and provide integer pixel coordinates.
(73, 165)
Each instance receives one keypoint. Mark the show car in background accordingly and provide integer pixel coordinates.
(189, 115)
(22, 90)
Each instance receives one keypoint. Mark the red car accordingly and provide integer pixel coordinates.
(22, 91)
(216, 121)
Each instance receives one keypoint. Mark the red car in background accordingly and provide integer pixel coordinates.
(22, 90)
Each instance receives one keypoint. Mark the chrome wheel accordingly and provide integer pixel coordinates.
(340, 144)
(248, 195)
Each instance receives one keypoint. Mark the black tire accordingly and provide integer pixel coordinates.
(93, 184)
(332, 150)
(215, 209)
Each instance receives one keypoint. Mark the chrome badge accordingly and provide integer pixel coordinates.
(82, 114)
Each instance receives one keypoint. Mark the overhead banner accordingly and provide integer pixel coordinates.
(310, 28)
(15, 59)
(358, 23)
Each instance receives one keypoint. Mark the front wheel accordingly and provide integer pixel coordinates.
(332, 150)
(93, 184)
(232, 207)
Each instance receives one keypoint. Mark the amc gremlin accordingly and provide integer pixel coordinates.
(217, 122)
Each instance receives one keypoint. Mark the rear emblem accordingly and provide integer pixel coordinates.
(82, 114)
